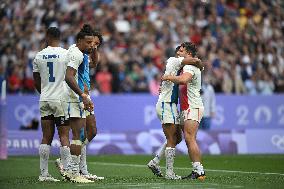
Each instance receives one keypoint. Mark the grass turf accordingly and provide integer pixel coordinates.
(235, 171)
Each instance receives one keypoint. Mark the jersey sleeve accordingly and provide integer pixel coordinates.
(35, 64)
(189, 69)
(75, 59)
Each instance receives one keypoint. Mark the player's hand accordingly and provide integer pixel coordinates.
(88, 104)
(166, 77)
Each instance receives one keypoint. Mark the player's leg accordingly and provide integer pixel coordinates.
(77, 122)
(170, 131)
(89, 134)
(48, 126)
(178, 134)
(190, 131)
(65, 154)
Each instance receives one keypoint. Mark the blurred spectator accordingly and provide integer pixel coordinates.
(236, 38)
(104, 79)
(209, 101)
(154, 85)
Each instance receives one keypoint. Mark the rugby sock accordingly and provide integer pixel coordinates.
(44, 151)
(170, 155)
(74, 165)
(83, 161)
(160, 153)
(198, 167)
(65, 156)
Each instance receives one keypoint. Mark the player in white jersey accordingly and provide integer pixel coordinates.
(191, 107)
(74, 98)
(91, 130)
(49, 70)
(167, 111)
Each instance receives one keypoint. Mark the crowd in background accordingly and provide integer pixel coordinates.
(240, 41)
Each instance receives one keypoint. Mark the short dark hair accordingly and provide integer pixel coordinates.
(86, 30)
(177, 49)
(53, 32)
(190, 48)
(99, 35)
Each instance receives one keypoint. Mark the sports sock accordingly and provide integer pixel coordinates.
(198, 167)
(44, 151)
(170, 155)
(160, 153)
(74, 165)
(83, 161)
(65, 156)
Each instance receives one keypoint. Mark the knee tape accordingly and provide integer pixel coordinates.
(76, 142)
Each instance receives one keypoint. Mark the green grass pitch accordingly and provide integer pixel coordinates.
(230, 171)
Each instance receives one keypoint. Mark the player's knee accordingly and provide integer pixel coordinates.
(64, 140)
(76, 142)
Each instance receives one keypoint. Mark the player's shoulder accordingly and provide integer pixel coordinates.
(191, 69)
(175, 59)
(74, 51)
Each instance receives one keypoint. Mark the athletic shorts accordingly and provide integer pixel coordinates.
(74, 110)
(194, 114)
(48, 108)
(167, 112)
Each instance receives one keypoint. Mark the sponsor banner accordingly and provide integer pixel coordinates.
(271, 140)
(147, 142)
(119, 113)
(3, 131)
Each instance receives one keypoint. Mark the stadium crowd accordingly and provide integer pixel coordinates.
(241, 42)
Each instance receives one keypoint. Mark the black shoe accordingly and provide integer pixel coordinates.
(195, 175)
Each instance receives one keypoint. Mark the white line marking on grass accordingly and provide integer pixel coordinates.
(183, 168)
(180, 168)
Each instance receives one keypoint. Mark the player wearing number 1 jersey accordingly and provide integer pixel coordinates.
(49, 70)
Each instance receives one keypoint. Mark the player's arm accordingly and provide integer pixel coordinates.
(37, 80)
(181, 79)
(194, 62)
(36, 74)
(71, 82)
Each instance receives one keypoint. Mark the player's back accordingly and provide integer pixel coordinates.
(169, 90)
(51, 64)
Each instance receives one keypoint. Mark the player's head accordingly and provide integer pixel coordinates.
(84, 39)
(98, 39)
(188, 49)
(177, 51)
(52, 35)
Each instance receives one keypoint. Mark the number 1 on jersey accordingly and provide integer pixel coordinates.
(50, 68)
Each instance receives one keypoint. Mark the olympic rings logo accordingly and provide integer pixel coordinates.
(278, 141)
(25, 114)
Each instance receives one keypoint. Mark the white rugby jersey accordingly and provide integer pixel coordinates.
(169, 90)
(51, 64)
(190, 93)
(77, 60)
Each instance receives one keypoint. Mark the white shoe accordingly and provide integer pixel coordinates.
(47, 178)
(77, 178)
(89, 176)
(59, 166)
(80, 179)
(155, 168)
(172, 176)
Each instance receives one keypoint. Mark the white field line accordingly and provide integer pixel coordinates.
(180, 168)
(183, 168)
